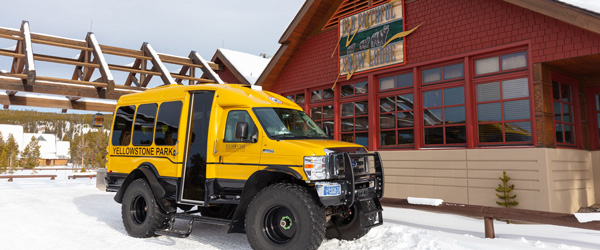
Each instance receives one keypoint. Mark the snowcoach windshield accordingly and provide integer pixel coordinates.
(281, 123)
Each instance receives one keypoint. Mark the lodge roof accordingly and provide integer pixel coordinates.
(317, 13)
(245, 67)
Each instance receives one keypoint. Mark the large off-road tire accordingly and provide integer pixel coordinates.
(285, 216)
(140, 211)
(347, 225)
(224, 211)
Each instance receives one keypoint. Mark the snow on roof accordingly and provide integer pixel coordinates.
(15, 130)
(62, 149)
(250, 66)
(590, 5)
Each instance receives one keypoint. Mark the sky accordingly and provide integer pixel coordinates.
(171, 27)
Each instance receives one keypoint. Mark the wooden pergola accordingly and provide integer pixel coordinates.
(23, 78)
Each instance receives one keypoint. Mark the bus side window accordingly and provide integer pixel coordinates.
(167, 123)
(232, 119)
(121, 134)
(143, 127)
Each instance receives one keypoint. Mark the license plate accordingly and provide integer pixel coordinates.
(332, 190)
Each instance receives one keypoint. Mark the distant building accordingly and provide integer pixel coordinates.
(52, 151)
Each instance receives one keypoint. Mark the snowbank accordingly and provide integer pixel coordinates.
(73, 214)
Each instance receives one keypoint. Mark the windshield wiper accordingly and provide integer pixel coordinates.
(286, 135)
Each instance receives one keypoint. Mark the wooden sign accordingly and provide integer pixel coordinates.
(371, 39)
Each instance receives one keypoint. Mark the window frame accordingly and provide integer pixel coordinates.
(593, 129)
(395, 88)
(295, 94)
(422, 126)
(354, 94)
(502, 100)
(524, 72)
(360, 98)
(424, 84)
(322, 105)
(499, 54)
(395, 94)
(577, 133)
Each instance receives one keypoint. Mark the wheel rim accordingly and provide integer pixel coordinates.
(139, 209)
(280, 224)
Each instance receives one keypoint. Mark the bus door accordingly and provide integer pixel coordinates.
(194, 166)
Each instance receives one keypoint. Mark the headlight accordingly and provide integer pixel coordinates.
(315, 168)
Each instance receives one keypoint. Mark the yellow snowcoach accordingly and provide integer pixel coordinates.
(231, 155)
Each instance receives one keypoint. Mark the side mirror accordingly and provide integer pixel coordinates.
(241, 130)
(327, 131)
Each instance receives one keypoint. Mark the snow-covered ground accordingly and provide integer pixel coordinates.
(73, 214)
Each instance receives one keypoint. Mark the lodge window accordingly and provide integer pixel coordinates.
(355, 122)
(143, 127)
(444, 116)
(501, 63)
(323, 116)
(503, 111)
(396, 120)
(322, 94)
(121, 134)
(593, 99)
(167, 123)
(399, 81)
(355, 89)
(564, 122)
(438, 74)
(297, 98)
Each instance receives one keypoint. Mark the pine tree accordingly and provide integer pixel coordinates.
(31, 154)
(504, 190)
(3, 161)
(3, 155)
(12, 152)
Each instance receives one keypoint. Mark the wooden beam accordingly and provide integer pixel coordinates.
(147, 77)
(53, 103)
(182, 72)
(18, 62)
(561, 12)
(27, 50)
(164, 73)
(136, 65)
(59, 88)
(104, 71)
(196, 58)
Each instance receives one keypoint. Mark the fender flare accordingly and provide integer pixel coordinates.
(148, 171)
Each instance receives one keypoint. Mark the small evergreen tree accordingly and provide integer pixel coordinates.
(3, 156)
(506, 200)
(30, 156)
(12, 152)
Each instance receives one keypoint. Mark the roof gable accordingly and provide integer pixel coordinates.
(246, 67)
(314, 12)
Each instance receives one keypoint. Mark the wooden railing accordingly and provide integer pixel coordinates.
(497, 213)
(81, 176)
(11, 177)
